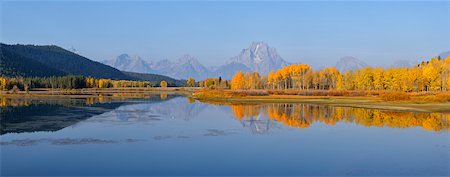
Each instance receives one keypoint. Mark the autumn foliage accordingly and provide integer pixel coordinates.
(432, 75)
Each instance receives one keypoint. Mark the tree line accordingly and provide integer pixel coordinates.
(70, 82)
(432, 75)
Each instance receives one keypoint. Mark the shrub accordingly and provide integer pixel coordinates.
(395, 96)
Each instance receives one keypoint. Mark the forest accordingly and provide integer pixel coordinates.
(70, 82)
(432, 75)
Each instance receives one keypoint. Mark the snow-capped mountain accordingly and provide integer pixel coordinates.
(186, 66)
(350, 63)
(126, 63)
(259, 57)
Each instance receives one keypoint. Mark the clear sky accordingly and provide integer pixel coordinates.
(318, 33)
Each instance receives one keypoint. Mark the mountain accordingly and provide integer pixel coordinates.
(402, 63)
(126, 63)
(257, 57)
(186, 66)
(47, 61)
(350, 63)
(13, 64)
(228, 70)
(156, 78)
(51, 60)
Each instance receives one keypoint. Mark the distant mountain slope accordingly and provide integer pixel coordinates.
(402, 63)
(350, 63)
(444, 55)
(57, 58)
(187, 66)
(155, 78)
(228, 70)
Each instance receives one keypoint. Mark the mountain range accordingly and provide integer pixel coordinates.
(51, 60)
(257, 57)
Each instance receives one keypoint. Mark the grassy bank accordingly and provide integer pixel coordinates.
(88, 92)
(416, 102)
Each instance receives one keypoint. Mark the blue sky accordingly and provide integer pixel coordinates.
(318, 33)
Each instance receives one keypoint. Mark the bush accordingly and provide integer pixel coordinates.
(207, 93)
(435, 97)
(395, 96)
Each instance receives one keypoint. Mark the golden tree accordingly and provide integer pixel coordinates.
(190, 82)
(238, 82)
(163, 84)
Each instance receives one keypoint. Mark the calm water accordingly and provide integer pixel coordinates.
(172, 135)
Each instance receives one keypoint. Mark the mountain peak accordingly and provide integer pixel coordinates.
(186, 58)
(260, 57)
(257, 44)
(350, 63)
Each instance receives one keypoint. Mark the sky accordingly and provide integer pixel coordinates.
(317, 33)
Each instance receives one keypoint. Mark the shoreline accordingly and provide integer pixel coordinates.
(338, 101)
(87, 92)
(368, 102)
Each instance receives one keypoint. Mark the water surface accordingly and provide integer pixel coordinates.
(173, 135)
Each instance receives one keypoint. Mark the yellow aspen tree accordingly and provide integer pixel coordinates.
(256, 79)
(304, 69)
(238, 82)
(340, 82)
(248, 80)
(2, 83)
(190, 82)
(271, 80)
(163, 84)
(378, 78)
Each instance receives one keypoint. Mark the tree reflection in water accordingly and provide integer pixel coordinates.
(258, 116)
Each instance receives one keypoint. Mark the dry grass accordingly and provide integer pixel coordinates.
(414, 97)
(439, 97)
(228, 93)
(324, 92)
(395, 96)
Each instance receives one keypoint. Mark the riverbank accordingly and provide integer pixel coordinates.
(415, 103)
(86, 92)
(371, 100)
